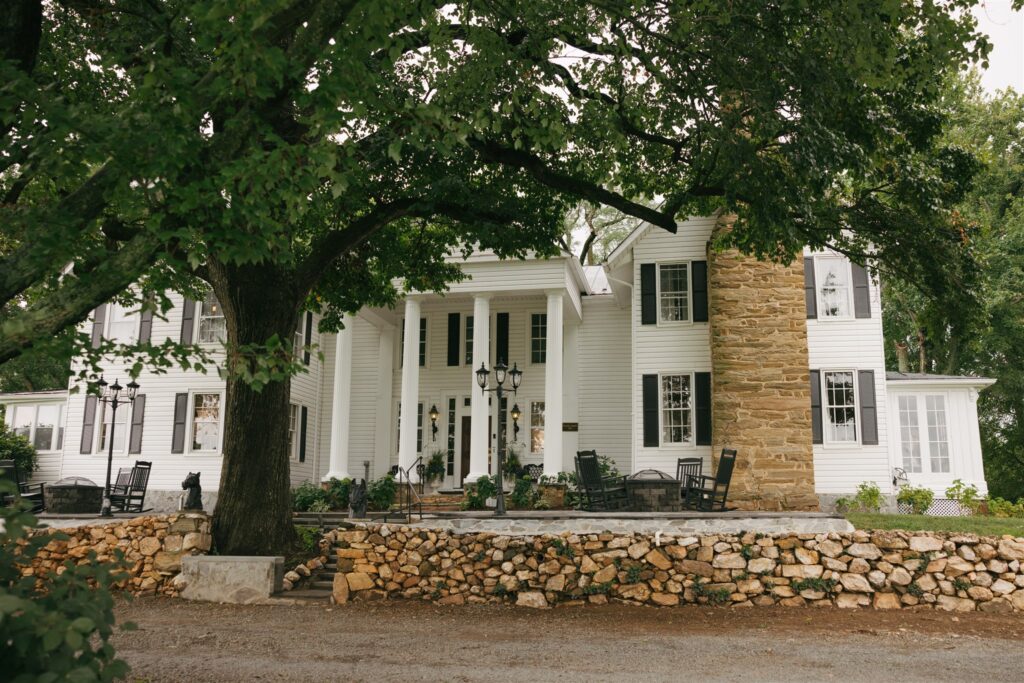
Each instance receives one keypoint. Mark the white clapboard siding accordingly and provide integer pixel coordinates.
(604, 370)
(667, 348)
(854, 344)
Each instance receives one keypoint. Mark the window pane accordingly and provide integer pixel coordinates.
(539, 337)
(938, 439)
(674, 283)
(450, 462)
(120, 427)
(212, 327)
(842, 412)
(122, 324)
(469, 340)
(676, 425)
(21, 421)
(293, 413)
(206, 422)
(47, 424)
(423, 342)
(834, 291)
(910, 434)
(419, 427)
(537, 426)
(299, 338)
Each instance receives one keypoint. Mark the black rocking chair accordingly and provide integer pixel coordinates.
(598, 493)
(686, 468)
(33, 493)
(130, 497)
(707, 493)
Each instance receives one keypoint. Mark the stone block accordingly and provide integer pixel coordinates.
(534, 599)
(340, 591)
(925, 544)
(231, 579)
(887, 601)
(358, 581)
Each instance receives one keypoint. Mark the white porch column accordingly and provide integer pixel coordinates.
(341, 403)
(410, 385)
(384, 427)
(570, 392)
(553, 387)
(479, 436)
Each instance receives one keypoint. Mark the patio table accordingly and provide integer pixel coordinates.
(653, 491)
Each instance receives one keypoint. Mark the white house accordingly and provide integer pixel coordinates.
(637, 359)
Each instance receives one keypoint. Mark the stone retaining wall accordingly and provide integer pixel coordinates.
(153, 547)
(885, 570)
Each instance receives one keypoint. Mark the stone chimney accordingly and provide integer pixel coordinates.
(760, 392)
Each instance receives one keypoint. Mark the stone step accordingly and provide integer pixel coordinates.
(320, 584)
(306, 594)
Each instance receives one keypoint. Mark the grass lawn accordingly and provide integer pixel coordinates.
(983, 526)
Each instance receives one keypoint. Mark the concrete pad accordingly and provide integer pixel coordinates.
(235, 579)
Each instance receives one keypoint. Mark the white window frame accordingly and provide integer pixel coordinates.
(531, 426)
(127, 315)
(826, 420)
(190, 424)
(122, 409)
(425, 346)
(689, 293)
(923, 435)
(819, 261)
(662, 443)
(11, 409)
(293, 431)
(199, 317)
(299, 338)
(529, 338)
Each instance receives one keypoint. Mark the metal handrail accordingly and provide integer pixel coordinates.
(412, 497)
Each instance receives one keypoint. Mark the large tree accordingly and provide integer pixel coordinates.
(292, 153)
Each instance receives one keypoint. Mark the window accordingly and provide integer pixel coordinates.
(469, 340)
(212, 327)
(673, 292)
(293, 422)
(423, 344)
(451, 438)
(833, 276)
(122, 324)
(910, 434)
(841, 403)
(120, 428)
(49, 435)
(299, 338)
(938, 438)
(537, 427)
(538, 337)
(206, 422)
(22, 419)
(676, 409)
(419, 427)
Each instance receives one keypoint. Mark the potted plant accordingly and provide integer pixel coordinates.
(436, 468)
(513, 465)
(553, 489)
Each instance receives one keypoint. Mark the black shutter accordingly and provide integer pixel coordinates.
(302, 434)
(650, 408)
(810, 291)
(700, 292)
(702, 401)
(648, 294)
(145, 327)
(501, 338)
(861, 292)
(180, 417)
(308, 337)
(817, 433)
(188, 318)
(868, 408)
(138, 415)
(454, 341)
(98, 317)
(88, 424)
(423, 342)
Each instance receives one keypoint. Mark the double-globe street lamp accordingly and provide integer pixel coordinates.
(515, 376)
(110, 394)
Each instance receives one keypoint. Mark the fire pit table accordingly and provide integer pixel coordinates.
(74, 496)
(653, 491)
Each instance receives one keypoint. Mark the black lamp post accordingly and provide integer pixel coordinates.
(110, 394)
(433, 422)
(501, 373)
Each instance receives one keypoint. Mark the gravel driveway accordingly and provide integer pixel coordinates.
(181, 641)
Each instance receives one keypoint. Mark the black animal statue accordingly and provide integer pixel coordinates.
(357, 500)
(194, 499)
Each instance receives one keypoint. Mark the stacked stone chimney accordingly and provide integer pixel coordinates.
(761, 403)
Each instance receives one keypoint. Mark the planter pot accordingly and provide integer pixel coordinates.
(553, 495)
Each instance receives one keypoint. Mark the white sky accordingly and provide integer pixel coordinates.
(1005, 28)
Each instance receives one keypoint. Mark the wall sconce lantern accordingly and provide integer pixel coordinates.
(433, 422)
(516, 414)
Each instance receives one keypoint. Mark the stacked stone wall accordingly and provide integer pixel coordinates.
(760, 393)
(152, 547)
(884, 570)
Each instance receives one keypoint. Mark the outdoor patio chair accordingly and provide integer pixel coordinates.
(598, 493)
(708, 493)
(686, 468)
(133, 496)
(33, 493)
(124, 478)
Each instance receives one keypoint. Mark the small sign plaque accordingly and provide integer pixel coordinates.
(570, 426)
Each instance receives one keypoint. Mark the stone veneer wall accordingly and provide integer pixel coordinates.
(760, 391)
(153, 547)
(889, 569)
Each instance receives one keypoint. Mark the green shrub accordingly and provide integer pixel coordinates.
(62, 631)
(478, 493)
(308, 539)
(306, 496)
(966, 496)
(918, 498)
(523, 495)
(380, 493)
(338, 492)
(869, 497)
(17, 448)
(997, 507)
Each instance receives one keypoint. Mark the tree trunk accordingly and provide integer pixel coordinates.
(922, 358)
(253, 512)
(902, 358)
